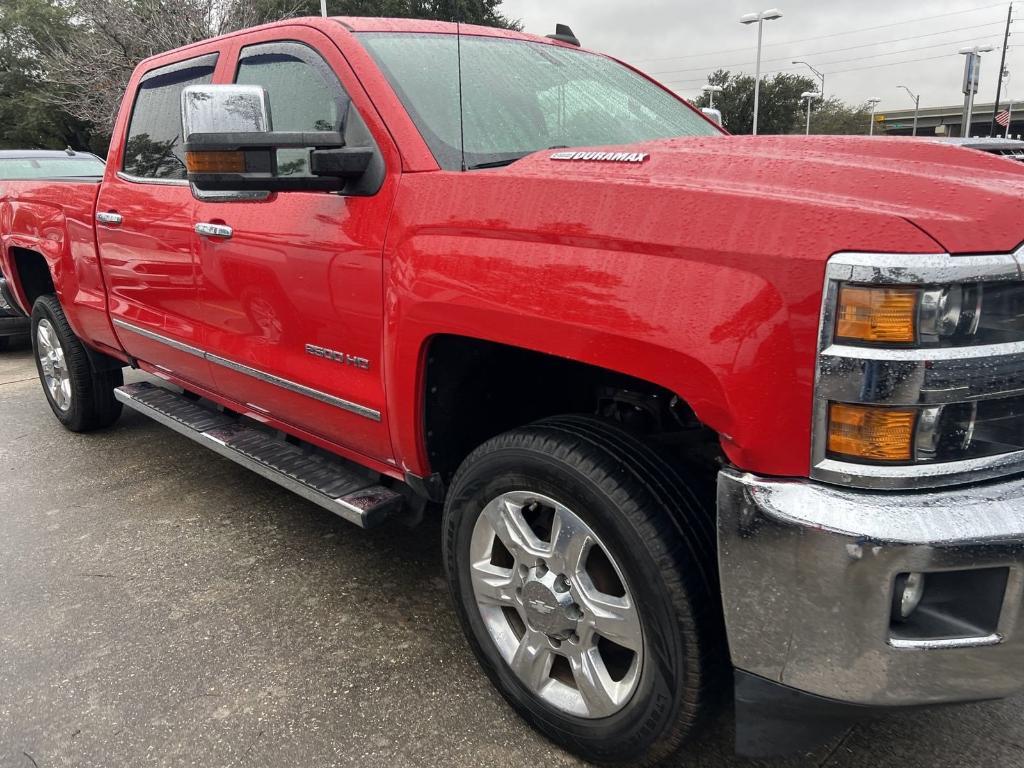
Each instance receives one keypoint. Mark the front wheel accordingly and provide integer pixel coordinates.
(80, 396)
(582, 569)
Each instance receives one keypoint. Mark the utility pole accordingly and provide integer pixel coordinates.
(1002, 66)
(323, 8)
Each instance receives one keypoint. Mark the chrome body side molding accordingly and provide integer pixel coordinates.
(269, 378)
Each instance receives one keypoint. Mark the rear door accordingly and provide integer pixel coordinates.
(293, 299)
(144, 229)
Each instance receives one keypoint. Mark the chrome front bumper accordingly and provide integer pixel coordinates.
(808, 573)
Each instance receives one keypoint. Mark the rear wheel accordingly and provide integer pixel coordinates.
(583, 573)
(80, 396)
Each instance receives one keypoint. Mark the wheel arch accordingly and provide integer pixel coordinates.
(32, 276)
(471, 389)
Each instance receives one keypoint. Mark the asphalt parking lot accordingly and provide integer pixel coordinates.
(160, 606)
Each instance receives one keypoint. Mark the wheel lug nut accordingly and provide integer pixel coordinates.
(542, 569)
(563, 584)
(573, 638)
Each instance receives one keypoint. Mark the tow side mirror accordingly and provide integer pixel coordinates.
(230, 146)
(714, 115)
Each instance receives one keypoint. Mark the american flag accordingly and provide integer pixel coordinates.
(1003, 118)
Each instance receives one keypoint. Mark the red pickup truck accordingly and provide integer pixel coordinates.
(701, 410)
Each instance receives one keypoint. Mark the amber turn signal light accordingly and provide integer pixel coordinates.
(877, 314)
(872, 433)
(215, 162)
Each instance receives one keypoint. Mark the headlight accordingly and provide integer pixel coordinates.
(877, 315)
(929, 316)
(954, 432)
(920, 373)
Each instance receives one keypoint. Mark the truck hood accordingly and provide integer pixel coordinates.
(967, 201)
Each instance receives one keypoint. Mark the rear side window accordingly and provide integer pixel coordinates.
(154, 146)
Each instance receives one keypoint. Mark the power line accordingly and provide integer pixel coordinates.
(833, 34)
(824, 63)
(838, 50)
(833, 72)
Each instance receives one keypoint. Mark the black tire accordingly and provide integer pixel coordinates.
(92, 404)
(5, 342)
(662, 539)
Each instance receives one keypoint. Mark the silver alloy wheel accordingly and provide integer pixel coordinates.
(556, 604)
(56, 378)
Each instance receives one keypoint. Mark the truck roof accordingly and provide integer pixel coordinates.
(371, 24)
(377, 24)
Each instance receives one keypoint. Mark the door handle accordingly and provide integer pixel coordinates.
(222, 231)
(109, 217)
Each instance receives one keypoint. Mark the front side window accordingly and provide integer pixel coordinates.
(153, 149)
(520, 96)
(303, 93)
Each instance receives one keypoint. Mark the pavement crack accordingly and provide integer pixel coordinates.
(17, 381)
(26, 754)
(253, 742)
(838, 746)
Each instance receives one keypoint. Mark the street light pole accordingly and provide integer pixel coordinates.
(874, 104)
(711, 90)
(972, 65)
(808, 95)
(323, 8)
(821, 75)
(759, 19)
(917, 106)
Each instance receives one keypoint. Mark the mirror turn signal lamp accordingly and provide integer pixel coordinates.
(877, 315)
(215, 162)
(871, 433)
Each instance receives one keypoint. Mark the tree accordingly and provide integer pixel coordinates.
(88, 69)
(779, 107)
(836, 117)
(27, 27)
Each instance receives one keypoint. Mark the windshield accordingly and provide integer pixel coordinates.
(520, 96)
(49, 167)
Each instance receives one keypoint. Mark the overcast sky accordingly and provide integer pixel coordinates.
(911, 43)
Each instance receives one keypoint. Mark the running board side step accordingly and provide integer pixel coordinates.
(336, 485)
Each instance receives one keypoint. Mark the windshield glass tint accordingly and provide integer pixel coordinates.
(520, 96)
(49, 167)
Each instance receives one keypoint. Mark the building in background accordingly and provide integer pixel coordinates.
(947, 121)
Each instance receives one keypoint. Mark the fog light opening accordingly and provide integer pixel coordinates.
(908, 595)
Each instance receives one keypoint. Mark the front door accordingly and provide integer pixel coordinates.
(293, 296)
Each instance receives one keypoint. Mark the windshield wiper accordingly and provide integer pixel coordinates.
(498, 163)
(509, 160)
